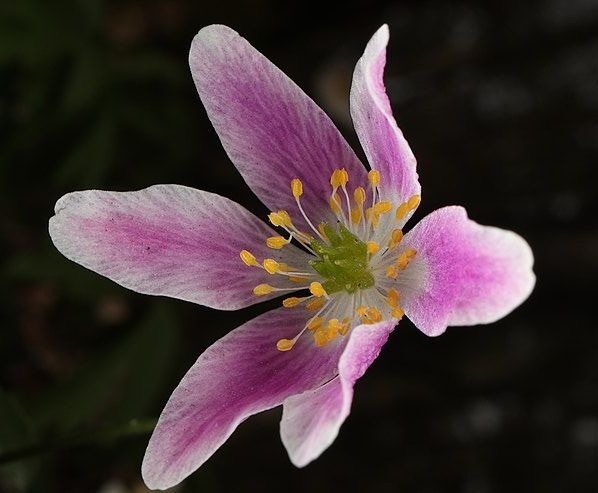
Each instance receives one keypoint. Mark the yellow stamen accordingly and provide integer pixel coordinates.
(321, 230)
(361, 310)
(374, 314)
(345, 326)
(359, 195)
(402, 211)
(344, 177)
(339, 178)
(248, 258)
(374, 177)
(262, 289)
(321, 337)
(271, 266)
(297, 279)
(291, 302)
(383, 207)
(276, 242)
(372, 247)
(397, 313)
(392, 272)
(395, 238)
(317, 289)
(393, 298)
(282, 267)
(315, 304)
(356, 215)
(285, 344)
(280, 218)
(296, 187)
(405, 257)
(315, 323)
(334, 202)
(333, 328)
(413, 202)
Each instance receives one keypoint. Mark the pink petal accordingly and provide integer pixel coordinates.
(241, 374)
(382, 140)
(169, 240)
(311, 421)
(269, 128)
(463, 273)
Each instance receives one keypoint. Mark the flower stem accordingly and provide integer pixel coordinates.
(69, 441)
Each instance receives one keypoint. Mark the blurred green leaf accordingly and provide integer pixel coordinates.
(15, 431)
(118, 384)
(90, 159)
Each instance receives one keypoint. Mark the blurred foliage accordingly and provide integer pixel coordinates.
(499, 103)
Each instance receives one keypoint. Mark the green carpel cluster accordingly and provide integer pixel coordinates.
(342, 261)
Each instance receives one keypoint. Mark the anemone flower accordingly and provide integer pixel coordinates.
(339, 252)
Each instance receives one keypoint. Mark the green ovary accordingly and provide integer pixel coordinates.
(342, 262)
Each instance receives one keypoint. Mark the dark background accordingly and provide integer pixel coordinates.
(499, 101)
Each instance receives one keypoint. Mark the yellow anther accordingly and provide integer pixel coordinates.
(402, 211)
(374, 177)
(392, 272)
(397, 313)
(280, 218)
(291, 302)
(356, 215)
(374, 315)
(248, 258)
(271, 266)
(375, 219)
(345, 326)
(395, 238)
(372, 247)
(321, 230)
(334, 326)
(315, 323)
(383, 207)
(359, 195)
(276, 242)
(335, 179)
(339, 178)
(321, 337)
(297, 279)
(285, 344)
(410, 253)
(262, 289)
(296, 187)
(286, 219)
(361, 310)
(344, 177)
(405, 257)
(315, 304)
(317, 289)
(334, 203)
(413, 202)
(392, 298)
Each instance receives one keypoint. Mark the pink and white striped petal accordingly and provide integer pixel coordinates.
(464, 273)
(271, 130)
(240, 375)
(169, 240)
(382, 140)
(311, 421)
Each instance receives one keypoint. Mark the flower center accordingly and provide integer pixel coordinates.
(351, 277)
(342, 262)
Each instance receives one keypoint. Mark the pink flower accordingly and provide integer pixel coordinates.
(356, 273)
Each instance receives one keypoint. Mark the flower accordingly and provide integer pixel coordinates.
(339, 244)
